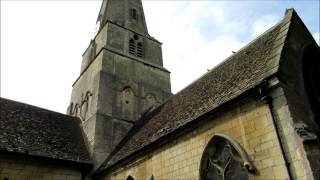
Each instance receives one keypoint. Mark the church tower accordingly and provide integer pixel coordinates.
(122, 77)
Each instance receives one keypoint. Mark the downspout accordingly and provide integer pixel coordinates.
(268, 101)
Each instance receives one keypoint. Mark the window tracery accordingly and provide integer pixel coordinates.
(136, 46)
(224, 159)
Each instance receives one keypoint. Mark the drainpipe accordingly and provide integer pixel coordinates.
(268, 100)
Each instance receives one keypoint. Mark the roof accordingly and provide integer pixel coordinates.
(239, 73)
(31, 130)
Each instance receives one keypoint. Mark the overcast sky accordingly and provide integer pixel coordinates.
(42, 41)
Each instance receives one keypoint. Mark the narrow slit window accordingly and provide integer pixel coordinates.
(134, 14)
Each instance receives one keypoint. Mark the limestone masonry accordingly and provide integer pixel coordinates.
(255, 116)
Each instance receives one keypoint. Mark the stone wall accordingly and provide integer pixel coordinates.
(250, 123)
(31, 168)
(293, 144)
(115, 88)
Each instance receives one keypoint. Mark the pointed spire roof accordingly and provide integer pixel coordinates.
(126, 13)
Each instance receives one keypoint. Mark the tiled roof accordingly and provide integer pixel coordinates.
(35, 131)
(240, 72)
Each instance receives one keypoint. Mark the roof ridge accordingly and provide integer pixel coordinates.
(35, 106)
(261, 51)
(232, 55)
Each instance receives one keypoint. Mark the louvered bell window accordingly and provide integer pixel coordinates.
(139, 50)
(132, 47)
(136, 46)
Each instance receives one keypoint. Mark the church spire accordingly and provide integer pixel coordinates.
(126, 13)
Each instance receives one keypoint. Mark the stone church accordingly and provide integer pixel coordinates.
(254, 116)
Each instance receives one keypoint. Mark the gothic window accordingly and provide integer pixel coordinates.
(84, 108)
(136, 46)
(311, 67)
(150, 103)
(85, 105)
(134, 14)
(130, 178)
(76, 110)
(224, 159)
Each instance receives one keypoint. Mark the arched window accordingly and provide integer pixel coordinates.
(130, 178)
(136, 46)
(127, 103)
(85, 105)
(223, 158)
(84, 109)
(76, 110)
(311, 76)
(149, 103)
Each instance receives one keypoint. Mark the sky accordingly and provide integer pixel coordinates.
(42, 42)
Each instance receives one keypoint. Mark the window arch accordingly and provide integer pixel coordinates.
(85, 105)
(311, 77)
(136, 46)
(149, 103)
(84, 109)
(127, 103)
(76, 110)
(129, 178)
(223, 158)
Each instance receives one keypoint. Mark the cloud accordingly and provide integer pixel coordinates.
(264, 23)
(41, 54)
(316, 37)
(187, 52)
(41, 49)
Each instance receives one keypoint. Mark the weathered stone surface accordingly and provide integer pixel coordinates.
(119, 82)
(32, 168)
(180, 157)
(260, 61)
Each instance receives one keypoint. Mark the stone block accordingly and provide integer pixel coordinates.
(266, 173)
